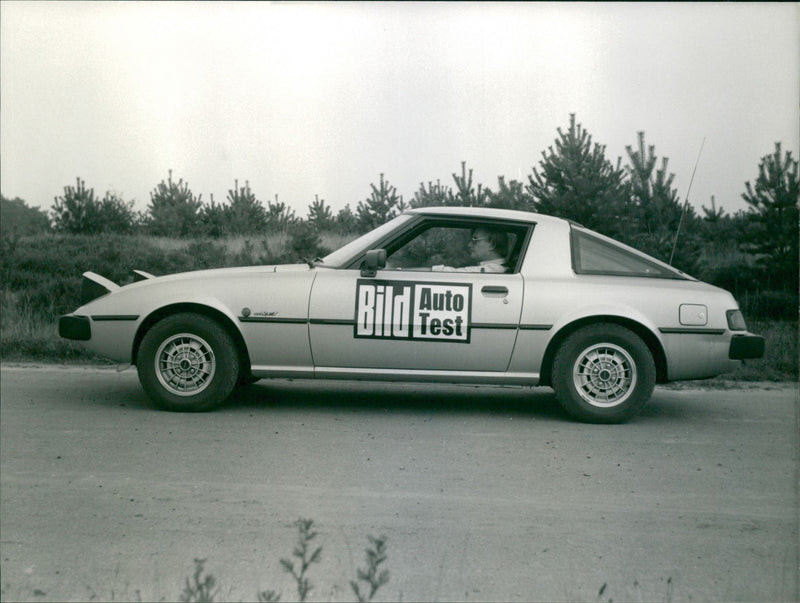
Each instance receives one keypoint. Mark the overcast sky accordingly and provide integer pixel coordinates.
(318, 99)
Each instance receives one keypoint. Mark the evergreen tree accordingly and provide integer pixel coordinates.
(720, 228)
(466, 195)
(772, 234)
(116, 215)
(577, 182)
(174, 211)
(346, 222)
(320, 215)
(213, 219)
(305, 244)
(380, 207)
(656, 212)
(508, 196)
(435, 195)
(244, 214)
(279, 216)
(77, 211)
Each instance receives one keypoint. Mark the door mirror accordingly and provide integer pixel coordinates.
(374, 260)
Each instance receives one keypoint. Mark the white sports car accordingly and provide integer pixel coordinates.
(550, 303)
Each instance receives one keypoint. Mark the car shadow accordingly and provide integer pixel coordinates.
(539, 402)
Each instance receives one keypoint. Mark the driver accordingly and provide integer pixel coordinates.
(488, 249)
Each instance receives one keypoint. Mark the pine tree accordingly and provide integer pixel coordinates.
(213, 219)
(772, 233)
(279, 216)
(466, 195)
(346, 222)
(655, 216)
(116, 215)
(320, 215)
(380, 207)
(174, 211)
(244, 214)
(435, 195)
(77, 211)
(577, 182)
(508, 196)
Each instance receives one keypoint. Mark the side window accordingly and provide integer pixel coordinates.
(437, 245)
(461, 247)
(591, 255)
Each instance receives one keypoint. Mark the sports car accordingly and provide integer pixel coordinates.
(555, 305)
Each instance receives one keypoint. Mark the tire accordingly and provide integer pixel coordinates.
(603, 373)
(246, 379)
(187, 363)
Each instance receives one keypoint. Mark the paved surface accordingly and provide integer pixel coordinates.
(483, 493)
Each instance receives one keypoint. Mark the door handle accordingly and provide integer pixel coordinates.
(492, 289)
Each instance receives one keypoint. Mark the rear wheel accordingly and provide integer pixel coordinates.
(188, 362)
(603, 373)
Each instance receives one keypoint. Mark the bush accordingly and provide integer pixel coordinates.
(17, 219)
(770, 305)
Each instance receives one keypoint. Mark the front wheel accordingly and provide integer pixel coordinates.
(187, 362)
(603, 373)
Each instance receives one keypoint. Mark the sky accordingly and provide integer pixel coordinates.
(318, 99)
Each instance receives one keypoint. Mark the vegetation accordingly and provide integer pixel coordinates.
(753, 253)
(204, 587)
(576, 181)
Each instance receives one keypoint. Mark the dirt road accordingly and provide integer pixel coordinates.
(483, 493)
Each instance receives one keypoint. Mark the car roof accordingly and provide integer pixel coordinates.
(486, 212)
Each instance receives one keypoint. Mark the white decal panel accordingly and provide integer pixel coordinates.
(410, 310)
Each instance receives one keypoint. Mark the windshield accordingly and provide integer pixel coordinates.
(363, 243)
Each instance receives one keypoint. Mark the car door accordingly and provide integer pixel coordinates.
(416, 320)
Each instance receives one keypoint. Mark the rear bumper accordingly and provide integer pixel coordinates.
(77, 328)
(746, 347)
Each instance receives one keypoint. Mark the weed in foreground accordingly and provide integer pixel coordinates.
(305, 558)
(202, 586)
(372, 575)
(200, 589)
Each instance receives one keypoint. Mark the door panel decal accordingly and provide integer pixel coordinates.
(411, 310)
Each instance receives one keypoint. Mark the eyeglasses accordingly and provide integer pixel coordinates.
(476, 239)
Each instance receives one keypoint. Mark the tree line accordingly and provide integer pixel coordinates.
(635, 202)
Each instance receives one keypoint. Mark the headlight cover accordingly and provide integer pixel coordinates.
(736, 320)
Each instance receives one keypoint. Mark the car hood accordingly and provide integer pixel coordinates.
(218, 273)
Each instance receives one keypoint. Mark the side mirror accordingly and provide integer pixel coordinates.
(374, 260)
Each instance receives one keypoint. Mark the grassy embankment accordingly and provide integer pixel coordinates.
(41, 280)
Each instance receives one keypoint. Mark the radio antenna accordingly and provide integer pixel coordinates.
(686, 202)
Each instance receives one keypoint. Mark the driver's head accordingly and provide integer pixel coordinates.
(488, 243)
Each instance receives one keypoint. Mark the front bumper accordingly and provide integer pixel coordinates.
(77, 328)
(746, 347)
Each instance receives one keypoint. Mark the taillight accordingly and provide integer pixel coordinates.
(736, 320)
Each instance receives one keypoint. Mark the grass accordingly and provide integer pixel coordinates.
(27, 336)
(780, 361)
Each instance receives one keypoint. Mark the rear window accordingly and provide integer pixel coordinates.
(592, 255)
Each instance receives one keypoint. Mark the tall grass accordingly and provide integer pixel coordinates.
(780, 361)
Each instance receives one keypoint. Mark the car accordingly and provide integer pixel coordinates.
(562, 306)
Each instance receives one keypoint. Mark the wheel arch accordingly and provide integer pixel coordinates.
(648, 336)
(220, 317)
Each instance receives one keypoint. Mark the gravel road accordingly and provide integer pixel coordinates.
(482, 493)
